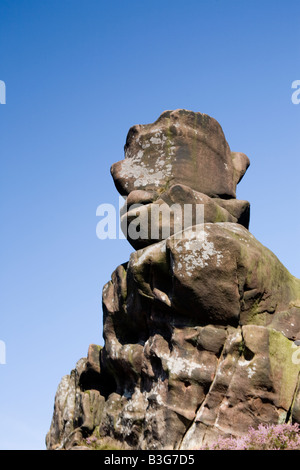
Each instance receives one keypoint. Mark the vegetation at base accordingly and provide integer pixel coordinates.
(265, 437)
(95, 443)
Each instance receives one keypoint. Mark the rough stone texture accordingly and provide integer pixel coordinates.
(179, 147)
(200, 325)
(182, 158)
(173, 205)
(77, 410)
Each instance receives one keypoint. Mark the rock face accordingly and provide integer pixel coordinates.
(200, 325)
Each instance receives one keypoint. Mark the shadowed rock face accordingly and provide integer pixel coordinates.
(199, 326)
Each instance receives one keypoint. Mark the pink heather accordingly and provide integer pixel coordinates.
(265, 437)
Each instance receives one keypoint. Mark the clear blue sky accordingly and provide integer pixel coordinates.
(79, 73)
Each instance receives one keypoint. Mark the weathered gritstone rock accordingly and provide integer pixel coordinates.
(256, 382)
(182, 158)
(199, 326)
(177, 208)
(180, 147)
(77, 410)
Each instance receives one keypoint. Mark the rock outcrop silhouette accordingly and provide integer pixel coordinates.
(201, 325)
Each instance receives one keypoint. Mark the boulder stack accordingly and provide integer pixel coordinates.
(200, 325)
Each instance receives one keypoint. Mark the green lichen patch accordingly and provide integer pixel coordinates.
(284, 371)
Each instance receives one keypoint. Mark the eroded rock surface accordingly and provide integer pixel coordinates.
(200, 325)
(180, 147)
(182, 158)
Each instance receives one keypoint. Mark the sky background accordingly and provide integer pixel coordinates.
(79, 74)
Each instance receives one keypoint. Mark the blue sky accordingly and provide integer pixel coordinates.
(78, 74)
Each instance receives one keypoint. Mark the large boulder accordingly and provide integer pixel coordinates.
(182, 158)
(177, 208)
(179, 147)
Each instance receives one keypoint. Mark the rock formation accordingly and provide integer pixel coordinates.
(200, 325)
